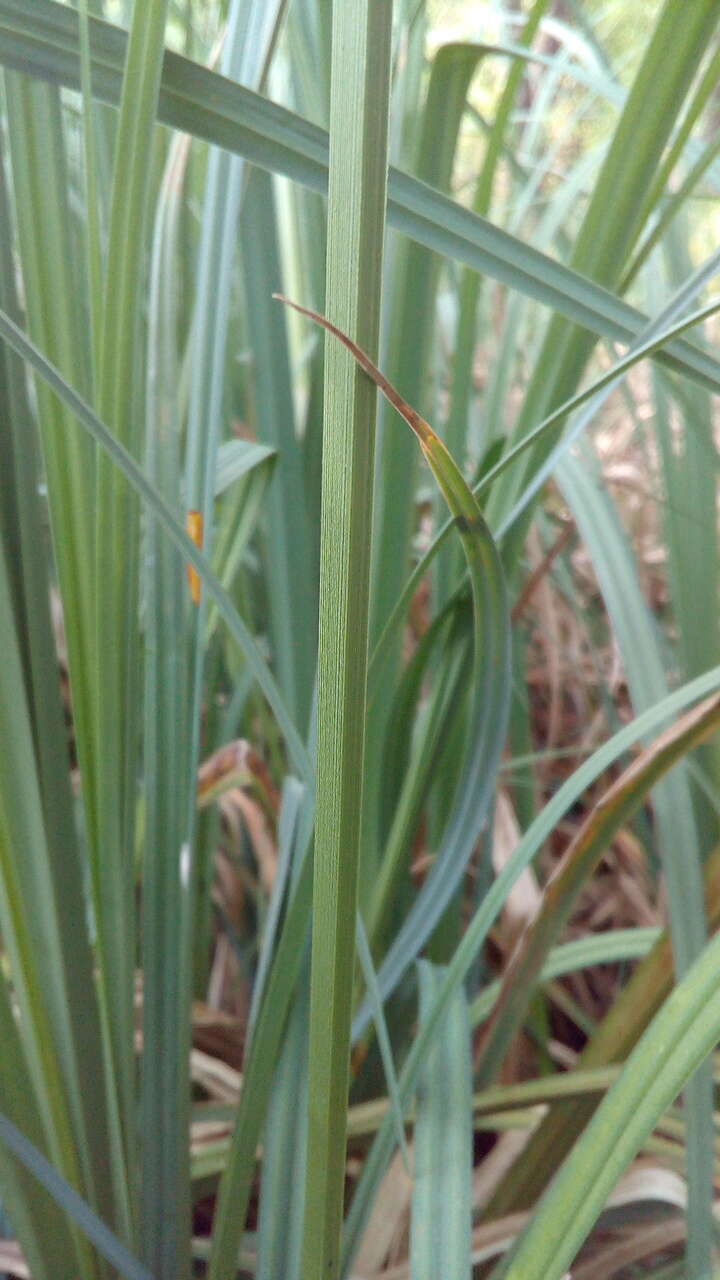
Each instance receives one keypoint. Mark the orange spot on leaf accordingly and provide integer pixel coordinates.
(194, 529)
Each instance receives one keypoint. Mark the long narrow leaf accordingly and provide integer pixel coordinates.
(200, 102)
(676, 1043)
(10, 332)
(360, 85)
(164, 1086)
(117, 641)
(615, 1036)
(554, 419)
(583, 854)
(440, 1229)
(486, 914)
(73, 1204)
(490, 696)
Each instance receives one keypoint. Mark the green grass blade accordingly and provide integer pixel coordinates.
(413, 289)
(653, 341)
(593, 397)
(440, 1229)
(676, 201)
(200, 102)
(290, 856)
(50, 271)
(689, 528)
(640, 649)
(612, 222)
(30, 926)
(10, 332)
(236, 1183)
(164, 1083)
(677, 829)
(92, 198)
(581, 953)
(75, 1015)
(614, 1037)
(236, 1186)
(239, 511)
(356, 227)
(482, 922)
(415, 278)
(236, 458)
(291, 575)
(679, 1038)
(581, 857)
(41, 1228)
(247, 48)
(385, 893)
(249, 41)
(94, 1228)
(469, 292)
(282, 1198)
(242, 475)
(491, 687)
(116, 534)
(371, 986)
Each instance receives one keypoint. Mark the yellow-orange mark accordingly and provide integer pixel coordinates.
(194, 529)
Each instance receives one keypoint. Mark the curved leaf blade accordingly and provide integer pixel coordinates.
(45, 43)
(59, 1188)
(581, 857)
(479, 927)
(491, 686)
(10, 332)
(678, 1040)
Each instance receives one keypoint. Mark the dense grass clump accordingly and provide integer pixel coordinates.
(359, 785)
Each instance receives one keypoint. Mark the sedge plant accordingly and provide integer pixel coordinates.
(264, 705)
